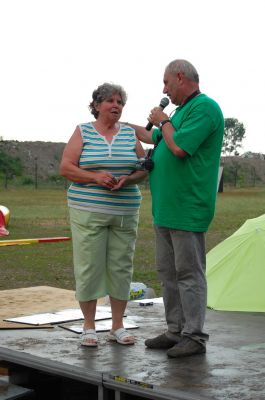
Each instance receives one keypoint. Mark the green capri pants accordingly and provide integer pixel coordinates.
(103, 250)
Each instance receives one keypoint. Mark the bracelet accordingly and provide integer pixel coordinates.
(162, 123)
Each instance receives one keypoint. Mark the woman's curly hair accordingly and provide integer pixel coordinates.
(104, 92)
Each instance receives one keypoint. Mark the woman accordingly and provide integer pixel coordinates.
(104, 202)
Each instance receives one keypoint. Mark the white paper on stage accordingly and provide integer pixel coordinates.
(101, 326)
(156, 300)
(72, 314)
(75, 313)
(37, 319)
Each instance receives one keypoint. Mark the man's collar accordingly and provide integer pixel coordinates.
(193, 94)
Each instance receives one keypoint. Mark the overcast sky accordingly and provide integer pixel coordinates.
(54, 53)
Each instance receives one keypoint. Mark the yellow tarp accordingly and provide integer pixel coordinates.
(235, 270)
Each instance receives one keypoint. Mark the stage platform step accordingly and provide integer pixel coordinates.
(232, 368)
(8, 391)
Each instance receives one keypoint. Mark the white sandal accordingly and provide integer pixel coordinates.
(121, 336)
(89, 334)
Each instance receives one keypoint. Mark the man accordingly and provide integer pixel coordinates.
(183, 184)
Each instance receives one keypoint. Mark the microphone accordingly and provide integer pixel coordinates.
(163, 103)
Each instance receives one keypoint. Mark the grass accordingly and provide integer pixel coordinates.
(43, 213)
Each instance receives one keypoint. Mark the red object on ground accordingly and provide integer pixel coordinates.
(3, 230)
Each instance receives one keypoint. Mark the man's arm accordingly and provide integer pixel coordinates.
(157, 116)
(167, 132)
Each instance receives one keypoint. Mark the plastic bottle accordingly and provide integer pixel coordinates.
(137, 290)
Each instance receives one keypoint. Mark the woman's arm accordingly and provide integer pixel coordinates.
(136, 176)
(141, 133)
(69, 167)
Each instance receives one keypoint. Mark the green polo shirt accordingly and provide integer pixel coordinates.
(184, 189)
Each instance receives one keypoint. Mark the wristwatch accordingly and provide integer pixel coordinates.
(162, 123)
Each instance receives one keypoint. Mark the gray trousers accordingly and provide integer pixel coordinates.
(181, 262)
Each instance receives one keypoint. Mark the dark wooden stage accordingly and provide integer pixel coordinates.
(55, 366)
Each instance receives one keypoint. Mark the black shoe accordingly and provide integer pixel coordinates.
(186, 347)
(161, 342)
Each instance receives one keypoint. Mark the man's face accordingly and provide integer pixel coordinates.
(172, 87)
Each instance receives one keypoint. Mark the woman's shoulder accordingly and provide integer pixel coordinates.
(125, 128)
(86, 125)
(87, 130)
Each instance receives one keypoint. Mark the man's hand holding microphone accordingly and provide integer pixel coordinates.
(157, 115)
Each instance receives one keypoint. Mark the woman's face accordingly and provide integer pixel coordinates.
(110, 108)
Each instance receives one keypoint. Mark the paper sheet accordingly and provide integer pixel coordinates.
(102, 326)
(72, 314)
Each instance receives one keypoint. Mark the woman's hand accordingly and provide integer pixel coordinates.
(105, 179)
(120, 182)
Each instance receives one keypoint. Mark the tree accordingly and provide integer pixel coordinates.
(234, 133)
(9, 166)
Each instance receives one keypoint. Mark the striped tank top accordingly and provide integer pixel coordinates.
(119, 158)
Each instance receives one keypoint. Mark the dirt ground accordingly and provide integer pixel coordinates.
(34, 300)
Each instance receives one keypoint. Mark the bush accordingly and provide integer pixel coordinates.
(56, 179)
(27, 180)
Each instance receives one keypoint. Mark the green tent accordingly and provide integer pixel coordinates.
(235, 270)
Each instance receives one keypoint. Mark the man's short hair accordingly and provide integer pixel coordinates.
(185, 67)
